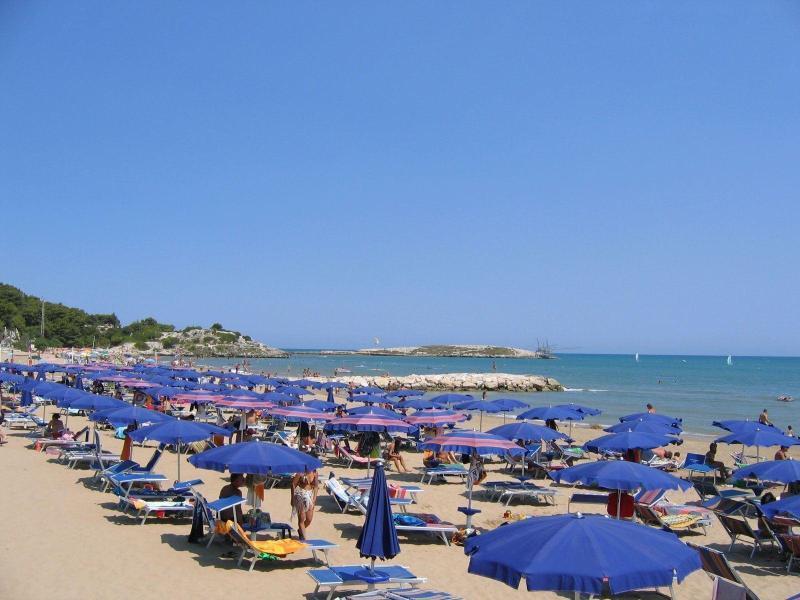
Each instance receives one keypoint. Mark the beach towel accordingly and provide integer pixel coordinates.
(408, 520)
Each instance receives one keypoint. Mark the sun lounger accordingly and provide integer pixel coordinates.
(146, 507)
(738, 528)
(582, 498)
(363, 484)
(717, 566)
(442, 471)
(403, 594)
(333, 577)
(696, 463)
(674, 523)
(657, 500)
(349, 458)
(284, 437)
(792, 545)
(358, 501)
(430, 523)
(253, 550)
(211, 511)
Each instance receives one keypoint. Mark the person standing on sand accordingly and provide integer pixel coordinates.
(302, 499)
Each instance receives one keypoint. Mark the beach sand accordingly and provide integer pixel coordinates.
(65, 539)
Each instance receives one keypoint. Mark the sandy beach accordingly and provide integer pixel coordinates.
(74, 542)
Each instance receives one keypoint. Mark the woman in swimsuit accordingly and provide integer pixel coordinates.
(303, 499)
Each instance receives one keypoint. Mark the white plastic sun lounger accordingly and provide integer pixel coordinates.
(433, 525)
(528, 490)
(443, 471)
(145, 507)
(403, 594)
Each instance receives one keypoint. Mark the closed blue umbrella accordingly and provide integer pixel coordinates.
(589, 554)
(176, 431)
(78, 382)
(778, 471)
(378, 538)
(255, 458)
(330, 396)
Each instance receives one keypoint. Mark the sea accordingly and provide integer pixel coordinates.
(698, 389)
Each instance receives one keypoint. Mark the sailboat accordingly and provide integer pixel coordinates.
(637, 357)
(730, 360)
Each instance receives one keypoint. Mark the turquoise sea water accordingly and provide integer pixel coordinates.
(700, 389)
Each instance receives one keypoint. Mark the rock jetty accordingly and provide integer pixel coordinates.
(458, 382)
(444, 350)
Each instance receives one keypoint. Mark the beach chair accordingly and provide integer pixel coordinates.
(403, 594)
(130, 466)
(363, 484)
(443, 471)
(740, 529)
(253, 551)
(212, 510)
(145, 508)
(284, 437)
(674, 523)
(358, 501)
(792, 545)
(716, 565)
(333, 577)
(349, 458)
(528, 490)
(657, 500)
(696, 463)
(584, 498)
(425, 523)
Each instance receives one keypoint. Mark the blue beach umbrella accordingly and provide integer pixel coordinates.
(368, 389)
(509, 403)
(522, 430)
(370, 399)
(630, 440)
(89, 401)
(482, 406)
(621, 475)
(255, 458)
(321, 405)
(177, 432)
(788, 507)
(587, 410)
(405, 393)
(279, 397)
(609, 555)
(758, 437)
(374, 410)
(656, 427)
(738, 426)
(333, 385)
(552, 413)
(652, 417)
(419, 404)
(378, 538)
(451, 398)
(292, 390)
(777, 471)
(127, 415)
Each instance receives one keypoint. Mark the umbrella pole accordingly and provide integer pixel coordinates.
(179, 459)
(480, 426)
(619, 503)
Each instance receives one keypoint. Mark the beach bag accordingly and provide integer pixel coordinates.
(408, 520)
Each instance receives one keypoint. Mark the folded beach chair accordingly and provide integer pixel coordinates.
(270, 549)
(403, 594)
(424, 523)
(332, 577)
(717, 566)
(145, 508)
(442, 471)
(675, 523)
(738, 528)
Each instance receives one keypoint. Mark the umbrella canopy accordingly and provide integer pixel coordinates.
(368, 389)
(759, 436)
(292, 390)
(279, 397)
(298, 413)
(245, 403)
(587, 410)
(322, 405)
(737, 426)
(451, 398)
(620, 475)
(370, 399)
(616, 555)
(642, 426)
(509, 403)
(650, 416)
(129, 414)
(370, 423)
(405, 393)
(778, 471)
(481, 405)
(630, 440)
(788, 507)
(552, 413)
(333, 385)
(255, 458)
(378, 538)
(375, 411)
(522, 430)
(89, 401)
(419, 404)
(435, 418)
(304, 383)
(469, 442)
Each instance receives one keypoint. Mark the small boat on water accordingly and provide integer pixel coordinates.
(730, 360)
(785, 398)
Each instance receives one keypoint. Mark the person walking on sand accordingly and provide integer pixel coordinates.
(763, 418)
(303, 498)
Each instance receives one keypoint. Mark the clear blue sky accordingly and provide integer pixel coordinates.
(613, 176)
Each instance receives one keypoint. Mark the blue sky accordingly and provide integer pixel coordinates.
(615, 176)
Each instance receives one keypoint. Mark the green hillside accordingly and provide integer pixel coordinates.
(66, 326)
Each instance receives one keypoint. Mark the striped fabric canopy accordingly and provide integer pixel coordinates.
(298, 413)
(244, 403)
(435, 418)
(369, 423)
(467, 442)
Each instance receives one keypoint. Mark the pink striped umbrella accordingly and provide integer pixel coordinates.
(435, 418)
(369, 422)
(197, 397)
(242, 403)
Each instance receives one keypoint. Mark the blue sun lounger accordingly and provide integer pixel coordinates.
(333, 577)
(443, 471)
(213, 509)
(403, 594)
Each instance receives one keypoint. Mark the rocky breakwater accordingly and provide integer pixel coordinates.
(506, 382)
